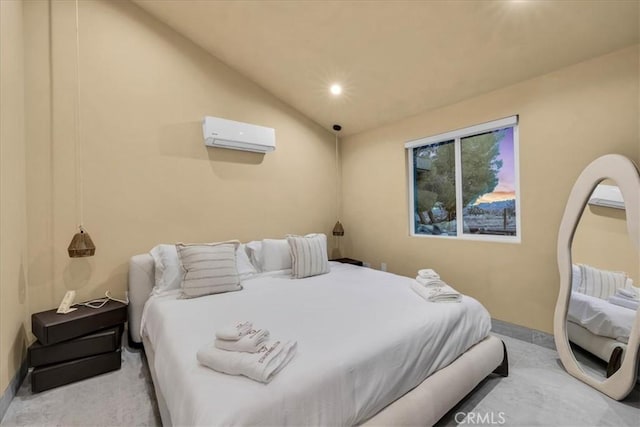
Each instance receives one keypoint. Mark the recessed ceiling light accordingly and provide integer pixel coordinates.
(335, 89)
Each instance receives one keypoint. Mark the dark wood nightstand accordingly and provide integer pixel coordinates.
(75, 346)
(349, 261)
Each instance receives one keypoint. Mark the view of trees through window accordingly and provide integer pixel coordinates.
(486, 180)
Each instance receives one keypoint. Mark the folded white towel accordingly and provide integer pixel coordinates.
(261, 366)
(250, 343)
(234, 331)
(427, 273)
(430, 281)
(437, 293)
(629, 303)
(627, 293)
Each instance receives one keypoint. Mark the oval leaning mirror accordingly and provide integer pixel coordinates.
(596, 325)
(604, 276)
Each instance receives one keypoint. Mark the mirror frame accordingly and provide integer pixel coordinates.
(627, 176)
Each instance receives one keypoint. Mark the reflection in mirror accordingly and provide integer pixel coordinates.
(627, 175)
(604, 286)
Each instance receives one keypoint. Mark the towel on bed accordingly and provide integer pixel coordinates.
(627, 293)
(250, 343)
(430, 282)
(626, 297)
(261, 366)
(437, 293)
(234, 331)
(629, 303)
(427, 273)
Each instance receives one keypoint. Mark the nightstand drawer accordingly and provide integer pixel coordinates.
(88, 345)
(52, 376)
(50, 327)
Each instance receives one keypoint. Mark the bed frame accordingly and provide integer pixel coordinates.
(604, 348)
(424, 405)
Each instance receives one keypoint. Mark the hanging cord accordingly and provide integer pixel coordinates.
(100, 302)
(78, 146)
(338, 186)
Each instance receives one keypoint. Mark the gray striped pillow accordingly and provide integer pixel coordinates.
(308, 255)
(600, 283)
(209, 268)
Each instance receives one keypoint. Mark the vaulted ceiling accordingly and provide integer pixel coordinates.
(397, 58)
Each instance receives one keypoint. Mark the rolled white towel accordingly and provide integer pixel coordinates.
(250, 343)
(261, 366)
(437, 293)
(427, 273)
(234, 331)
(430, 282)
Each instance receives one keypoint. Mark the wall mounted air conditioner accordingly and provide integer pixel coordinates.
(608, 196)
(225, 133)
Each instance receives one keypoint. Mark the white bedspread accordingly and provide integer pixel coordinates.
(601, 317)
(364, 339)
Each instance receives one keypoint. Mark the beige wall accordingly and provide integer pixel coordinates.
(148, 178)
(567, 119)
(13, 224)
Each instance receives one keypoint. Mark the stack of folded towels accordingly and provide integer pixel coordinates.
(430, 287)
(239, 349)
(626, 297)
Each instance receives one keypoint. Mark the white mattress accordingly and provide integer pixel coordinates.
(364, 339)
(600, 317)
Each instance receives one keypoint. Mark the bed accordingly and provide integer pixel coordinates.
(370, 351)
(593, 322)
(599, 327)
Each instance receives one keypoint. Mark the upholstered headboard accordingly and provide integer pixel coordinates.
(141, 281)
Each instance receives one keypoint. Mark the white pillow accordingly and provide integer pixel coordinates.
(275, 255)
(308, 255)
(245, 268)
(209, 268)
(254, 250)
(576, 279)
(168, 272)
(629, 284)
(600, 283)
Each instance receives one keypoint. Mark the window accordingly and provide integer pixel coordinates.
(465, 183)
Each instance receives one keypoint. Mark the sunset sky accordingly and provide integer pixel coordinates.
(506, 189)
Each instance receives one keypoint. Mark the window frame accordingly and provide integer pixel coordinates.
(457, 136)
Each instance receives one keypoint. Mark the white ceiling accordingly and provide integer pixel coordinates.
(397, 58)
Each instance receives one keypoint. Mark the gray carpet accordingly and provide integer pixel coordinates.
(537, 392)
(120, 398)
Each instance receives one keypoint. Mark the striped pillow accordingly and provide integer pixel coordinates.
(600, 283)
(308, 255)
(209, 268)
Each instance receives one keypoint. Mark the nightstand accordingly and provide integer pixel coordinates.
(75, 346)
(349, 261)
